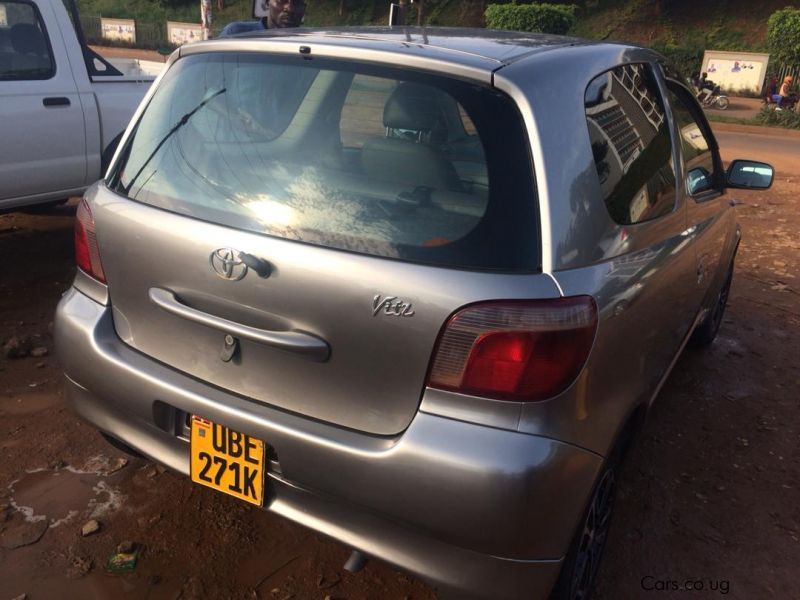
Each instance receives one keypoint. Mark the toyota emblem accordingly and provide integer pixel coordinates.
(228, 264)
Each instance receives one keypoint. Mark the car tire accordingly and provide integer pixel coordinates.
(703, 336)
(582, 562)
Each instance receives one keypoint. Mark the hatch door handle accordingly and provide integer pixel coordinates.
(56, 101)
(296, 342)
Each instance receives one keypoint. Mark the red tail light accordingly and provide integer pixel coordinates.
(516, 350)
(87, 253)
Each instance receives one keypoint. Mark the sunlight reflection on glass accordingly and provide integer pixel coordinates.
(270, 212)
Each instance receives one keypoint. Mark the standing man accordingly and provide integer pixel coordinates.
(279, 14)
(205, 18)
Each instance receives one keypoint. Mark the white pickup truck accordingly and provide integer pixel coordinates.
(62, 106)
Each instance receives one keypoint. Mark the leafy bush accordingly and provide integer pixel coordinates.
(686, 59)
(783, 36)
(547, 18)
(779, 118)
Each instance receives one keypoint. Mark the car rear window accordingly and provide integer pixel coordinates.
(363, 158)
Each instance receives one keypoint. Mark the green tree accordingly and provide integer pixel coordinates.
(783, 36)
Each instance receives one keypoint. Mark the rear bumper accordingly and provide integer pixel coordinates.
(481, 511)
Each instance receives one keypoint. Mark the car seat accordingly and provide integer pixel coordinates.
(30, 48)
(407, 153)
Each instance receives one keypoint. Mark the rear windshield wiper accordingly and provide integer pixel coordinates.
(181, 122)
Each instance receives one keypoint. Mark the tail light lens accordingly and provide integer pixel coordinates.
(87, 253)
(516, 350)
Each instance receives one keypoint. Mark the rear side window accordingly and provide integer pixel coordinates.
(24, 49)
(631, 144)
(367, 159)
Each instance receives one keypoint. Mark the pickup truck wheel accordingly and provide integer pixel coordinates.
(108, 154)
(704, 335)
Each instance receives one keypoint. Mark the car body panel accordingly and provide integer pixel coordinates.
(172, 252)
(53, 152)
(33, 161)
(460, 472)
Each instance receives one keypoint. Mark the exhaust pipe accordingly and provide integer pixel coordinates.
(356, 562)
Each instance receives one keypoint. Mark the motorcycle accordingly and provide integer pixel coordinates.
(716, 99)
(788, 103)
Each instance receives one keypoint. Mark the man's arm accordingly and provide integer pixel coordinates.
(240, 27)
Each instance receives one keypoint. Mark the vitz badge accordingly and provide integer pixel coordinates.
(392, 305)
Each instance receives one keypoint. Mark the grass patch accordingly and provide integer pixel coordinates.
(787, 119)
(726, 119)
(326, 14)
(768, 117)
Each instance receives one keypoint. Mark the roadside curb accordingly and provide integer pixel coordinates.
(758, 130)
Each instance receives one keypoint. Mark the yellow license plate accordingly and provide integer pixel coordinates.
(227, 461)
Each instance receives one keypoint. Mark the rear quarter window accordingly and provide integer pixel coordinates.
(367, 159)
(631, 144)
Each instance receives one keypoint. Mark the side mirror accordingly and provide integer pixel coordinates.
(750, 175)
(698, 180)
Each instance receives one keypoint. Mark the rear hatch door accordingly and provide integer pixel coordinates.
(253, 237)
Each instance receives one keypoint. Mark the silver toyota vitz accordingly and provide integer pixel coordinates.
(413, 289)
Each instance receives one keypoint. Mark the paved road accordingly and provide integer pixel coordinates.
(776, 148)
(740, 108)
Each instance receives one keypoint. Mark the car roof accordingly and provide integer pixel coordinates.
(457, 45)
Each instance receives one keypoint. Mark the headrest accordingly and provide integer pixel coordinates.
(27, 39)
(413, 106)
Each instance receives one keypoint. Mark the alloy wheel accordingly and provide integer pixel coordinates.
(722, 301)
(593, 538)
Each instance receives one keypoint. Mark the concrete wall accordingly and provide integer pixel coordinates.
(736, 71)
(123, 30)
(183, 33)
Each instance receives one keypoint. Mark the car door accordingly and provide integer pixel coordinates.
(649, 258)
(44, 143)
(708, 207)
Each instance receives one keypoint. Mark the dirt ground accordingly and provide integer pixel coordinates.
(711, 492)
(709, 495)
